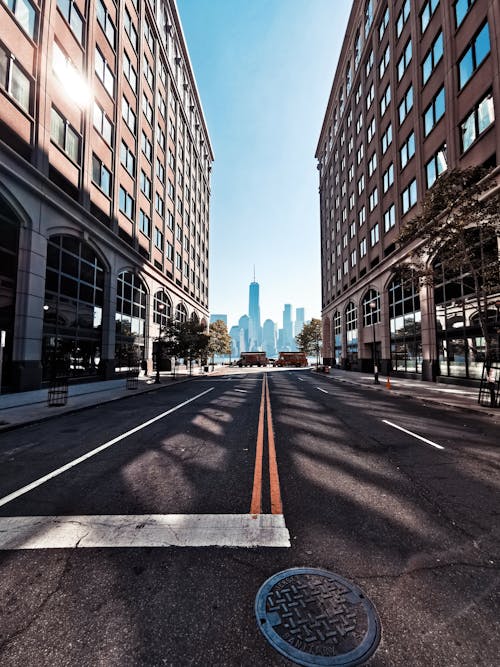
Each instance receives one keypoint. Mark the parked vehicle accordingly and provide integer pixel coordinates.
(297, 359)
(252, 359)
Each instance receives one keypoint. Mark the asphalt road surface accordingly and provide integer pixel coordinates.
(139, 532)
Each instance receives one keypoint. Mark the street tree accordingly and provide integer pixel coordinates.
(192, 341)
(220, 340)
(309, 339)
(457, 230)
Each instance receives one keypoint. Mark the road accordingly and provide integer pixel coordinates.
(106, 514)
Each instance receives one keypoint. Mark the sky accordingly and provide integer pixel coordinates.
(264, 70)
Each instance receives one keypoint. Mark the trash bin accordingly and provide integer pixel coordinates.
(132, 379)
(206, 369)
(58, 392)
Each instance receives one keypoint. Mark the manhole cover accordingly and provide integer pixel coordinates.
(316, 617)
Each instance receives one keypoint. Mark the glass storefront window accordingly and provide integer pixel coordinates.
(405, 327)
(130, 317)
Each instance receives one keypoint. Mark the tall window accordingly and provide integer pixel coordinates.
(72, 15)
(337, 334)
(180, 313)
(106, 22)
(104, 72)
(405, 327)
(402, 17)
(405, 60)
(435, 111)
(405, 105)
(436, 166)
(351, 323)
(427, 12)
(462, 9)
(368, 16)
(162, 308)
(409, 196)
(74, 296)
(474, 56)
(101, 175)
(432, 58)
(407, 150)
(131, 300)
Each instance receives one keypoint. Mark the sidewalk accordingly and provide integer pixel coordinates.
(29, 407)
(449, 395)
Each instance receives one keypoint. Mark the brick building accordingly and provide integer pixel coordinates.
(415, 92)
(105, 165)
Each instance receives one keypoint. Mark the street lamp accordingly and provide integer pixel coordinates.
(161, 308)
(373, 306)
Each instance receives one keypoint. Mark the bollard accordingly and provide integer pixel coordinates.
(388, 383)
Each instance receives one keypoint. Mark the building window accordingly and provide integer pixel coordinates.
(353, 258)
(436, 166)
(407, 150)
(405, 105)
(147, 147)
(427, 13)
(386, 139)
(405, 60)
(434, 112)
(14, 80)
(104, 20)
(104, 72)
(370, 96)
(478, 120)
(359, 92)
(388, 177)
(148, 72)
(72, 15)
(126, 203)
(361, 184)
(389, 218)
(64, 135)
(159, 205)
(432, 58)
(130, 29)
(128, 115)
(402, 17)
(371, 315)
(357, 50)
(369, 64)
(129, 71)
(383, 24)
(101, 176)
(405, 327)
(351, 320)
(385, 61)
(131, 302)
(360, 153)
(162, 306)
(169, 251)
(362, 216)
(352, 230)
(103, 124)
(374, 235)
(372, 165)
(160, 171)
(474, 56)
(370, 133)
(368, 16)
(148, 34)
(144, 223)
(359, 123)
(127, 158)
(373, 199)
(386, 100)
(362, 248)
(409, 196)
(147, 109)
(462, 9)
(160, 137)
(145, 185)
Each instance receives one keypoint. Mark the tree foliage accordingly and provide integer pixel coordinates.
(309, 339)
(184, 339)
(220, 340)
(458, 230)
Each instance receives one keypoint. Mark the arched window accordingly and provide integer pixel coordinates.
(130, 317)
(405, 326)
(162, 309)
(371, 308)
(74, 296)
(180, 313)
(194, 318)
(351, 325)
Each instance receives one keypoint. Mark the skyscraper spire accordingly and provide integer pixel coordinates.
(254, 272)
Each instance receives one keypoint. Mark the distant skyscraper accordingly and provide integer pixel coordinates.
(269, 337)
(243, 324)
(235, 341)
(254, 328)
(215, 317)
(289, 340)
(299, 320)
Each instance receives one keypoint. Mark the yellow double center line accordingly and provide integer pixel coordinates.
(274, 482)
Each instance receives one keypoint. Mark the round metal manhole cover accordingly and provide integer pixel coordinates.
(316, 617)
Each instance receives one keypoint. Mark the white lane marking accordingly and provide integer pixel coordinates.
(323, 390)
(149, 530)
(419, 437)
(241, 391)
(80, 459)
(301, 379)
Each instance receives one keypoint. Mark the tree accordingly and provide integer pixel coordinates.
(309, 339)
(457, 230)
(192, 341)
(220, 340)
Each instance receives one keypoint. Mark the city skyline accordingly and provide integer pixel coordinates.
(264, 107)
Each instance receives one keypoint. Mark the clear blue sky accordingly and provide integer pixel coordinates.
(264, 70)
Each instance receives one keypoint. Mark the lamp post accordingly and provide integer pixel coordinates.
(161, 308)
(373, 306)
